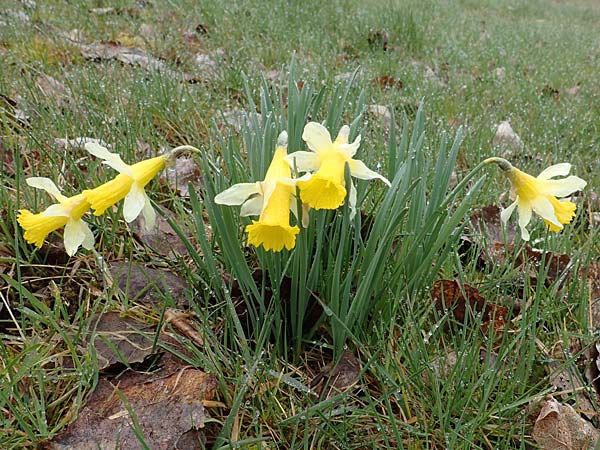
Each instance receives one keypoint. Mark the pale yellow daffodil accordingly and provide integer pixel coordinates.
(325, 187)
(129, 184)
(271, 200)
(67, 212)
(541, 195)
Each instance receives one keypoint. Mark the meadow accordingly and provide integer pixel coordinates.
(415, 320)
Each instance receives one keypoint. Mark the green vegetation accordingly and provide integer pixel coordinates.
(227, 78)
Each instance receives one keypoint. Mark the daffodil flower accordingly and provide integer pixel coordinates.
(540, 195)
(325, 187)
(129, 184)
(67, 212)
(271, 200)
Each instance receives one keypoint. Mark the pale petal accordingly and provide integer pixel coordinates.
(252, 207)
(359, 170)
(88, 240)
(543, 208)
(350, 149)
(506, 213)
(134, 203)
(343, 134)
(57, 210)
(524, 218)
(267, 188)
(237, 194)
(564, 187)
(110, 159)
(316, 136)
(557, 170)
(352, 200)
(149, 214)
(305, 211)
(47, 185)
(303, 161)
(74, 235)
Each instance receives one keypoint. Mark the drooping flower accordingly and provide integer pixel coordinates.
(271, 200)
(67, 212)
(325, 187)
(129, 184)
(541, 195)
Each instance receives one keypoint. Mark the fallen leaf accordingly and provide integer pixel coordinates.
(103, 11)
(507, 138)
(78, 142)
(339, 377)
(181, 320)
(129, 55)
(486, 222)
(462, 300)
(387, 81)
(559, 427)
(382, 112)
(177, 177)
(148, 286)
(54, 89)
(165, 408)
(574, 90)
(162, 238)
(121, 340)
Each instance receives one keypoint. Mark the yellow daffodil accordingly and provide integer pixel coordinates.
(67, 212)
(325, 187)
(129, 184)
(271, 200)
(540, 195)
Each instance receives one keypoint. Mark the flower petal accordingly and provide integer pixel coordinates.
(543, 208)
(317, 137)
(564, 187)
(350, 149)
(524, 218)
(557, 170)
(343, 134)
(237, 194)
(47, 185)
(110, 159)
(506, 213)
(252, 207)
(303, 161)
(359, 170)
(56, 210)
(74, 235)
(88, 240)
(352, 200)
(149, 214)
(134, 203)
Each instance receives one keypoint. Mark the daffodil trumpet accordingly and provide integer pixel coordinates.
(324, 186)
(130, 183)
(272, 200)
(542, 195)
(67, 212)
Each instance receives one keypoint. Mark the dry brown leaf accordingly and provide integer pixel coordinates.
(149, 286)
(184, 171)
(121, 340)
(387, 81)
(131, 56)
(339, 377)
(181, 320)
(559, 427)
(162, 238)
(507, 139)
(54, 89)
(486, 222)
(168, 408)
(464, 299)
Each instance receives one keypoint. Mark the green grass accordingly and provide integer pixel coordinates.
(377, 305)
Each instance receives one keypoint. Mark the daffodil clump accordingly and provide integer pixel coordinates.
(542, 195)
(321, 187)
(68, 212)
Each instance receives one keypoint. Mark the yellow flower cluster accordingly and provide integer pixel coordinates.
(68, 212)
(323, 186)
